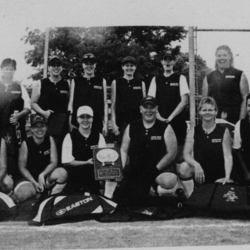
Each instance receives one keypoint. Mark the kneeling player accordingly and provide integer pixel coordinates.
(151, 147)
(38, 162)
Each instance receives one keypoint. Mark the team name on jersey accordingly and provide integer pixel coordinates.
(174, 84)
(156, 138)
(97, 87)
(46, 152)
(216, 140)
(230, 76)
(15, 92)
(64, 92)
(74, 205)
(137, 87)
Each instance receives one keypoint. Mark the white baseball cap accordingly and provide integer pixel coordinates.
(85, 110)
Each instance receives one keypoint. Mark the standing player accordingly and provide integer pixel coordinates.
(228, 86)
(89, 90)
(151, 147)
(38, 162)
(14, 108)
(171, 92)
(50, 98)
(126, 94)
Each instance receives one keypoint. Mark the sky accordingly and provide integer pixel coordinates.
(17, 15)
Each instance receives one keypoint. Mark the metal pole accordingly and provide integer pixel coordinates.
(46, 49)
(191, 76)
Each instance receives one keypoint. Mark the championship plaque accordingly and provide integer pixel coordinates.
(107, 162)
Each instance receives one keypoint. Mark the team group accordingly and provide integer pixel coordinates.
(159, 154)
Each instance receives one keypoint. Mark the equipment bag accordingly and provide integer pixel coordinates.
(7, 207)
(62, 208)
(228, 199)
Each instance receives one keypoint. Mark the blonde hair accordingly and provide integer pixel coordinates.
(225, 47)
(208, 100)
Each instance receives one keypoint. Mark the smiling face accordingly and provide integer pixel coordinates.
(55, 69)
(223, 59)
(129, 69)
(39, 130)
(208, 112)
(148, 112)
(89, 68)
(168, 64)
(85, 121)
(8, 72)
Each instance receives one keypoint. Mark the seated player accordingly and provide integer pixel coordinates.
(242, 143)
(38, 162)
(151, 147)
(77, 155)
(207, 151)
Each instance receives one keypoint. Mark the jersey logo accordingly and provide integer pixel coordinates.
(46, 152)
(230, 76)
(216, 140)
(230, 196)
(8, 139)
(137, 87)
(15, 92)
(74, 205)
(97, 87)
(156, 138)
(174, 84)
(64, 92)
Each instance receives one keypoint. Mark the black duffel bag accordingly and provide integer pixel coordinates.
(224, 200)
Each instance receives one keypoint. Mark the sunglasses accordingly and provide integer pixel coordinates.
(55, 65)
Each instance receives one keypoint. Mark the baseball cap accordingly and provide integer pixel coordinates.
(168, 55)
(85, 110)
(148, 100)
(37, 118)
(55, 59)
(89, 58)
(129, 59)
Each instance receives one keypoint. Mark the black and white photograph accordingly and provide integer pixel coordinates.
(124, 124)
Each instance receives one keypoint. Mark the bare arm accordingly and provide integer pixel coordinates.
(183, 103)
(22, 164)
(125, 146)
(3, 160)
(115, 128)
(105, 119)
(244, 90)
(53, 159)
(205, 88)
(227, 152)
(34, 101)
(171, 146)
(143, 89)
(70, 104)
(188, 157)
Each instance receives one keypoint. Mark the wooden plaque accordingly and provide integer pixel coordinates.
(107, 162)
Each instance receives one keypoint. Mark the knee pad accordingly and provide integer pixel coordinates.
(24, 190)
(170, 184)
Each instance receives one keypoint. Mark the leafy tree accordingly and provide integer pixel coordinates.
(109, 44)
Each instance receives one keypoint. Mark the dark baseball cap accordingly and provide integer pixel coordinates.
(148, 100)
(55, 59)
(128, 59)
(168, 55)
(37, 118)
(88, 58)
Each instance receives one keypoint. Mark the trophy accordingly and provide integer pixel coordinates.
(107, 162)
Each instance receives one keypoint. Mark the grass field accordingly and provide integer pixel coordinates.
(91, 234)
